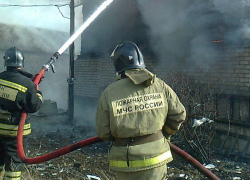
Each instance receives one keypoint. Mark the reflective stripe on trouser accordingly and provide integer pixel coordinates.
(141, 163)
(11, 130)
(12, 175)
(158, 173)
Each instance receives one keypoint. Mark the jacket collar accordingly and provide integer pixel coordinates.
(139, 76)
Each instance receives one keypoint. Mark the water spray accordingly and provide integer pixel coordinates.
(84, 26)
(99, 10)
(46, 67)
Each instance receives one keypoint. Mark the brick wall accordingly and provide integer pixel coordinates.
(93, 76)
(229, 75)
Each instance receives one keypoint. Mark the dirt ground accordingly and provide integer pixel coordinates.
(80, 164)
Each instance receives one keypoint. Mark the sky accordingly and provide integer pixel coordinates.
(48, 17)
(48, 14)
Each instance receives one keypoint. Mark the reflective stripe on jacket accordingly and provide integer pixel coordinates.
(142, 162)
(11, 130)
(13, 85)
(140, 157)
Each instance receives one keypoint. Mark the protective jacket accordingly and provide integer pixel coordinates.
(136, 106)
(17, 93)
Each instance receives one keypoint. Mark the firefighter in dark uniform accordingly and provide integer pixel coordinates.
(139, 113)
(17, 93)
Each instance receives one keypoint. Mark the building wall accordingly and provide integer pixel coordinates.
(93, 75)
(226, 78)
(229, 75)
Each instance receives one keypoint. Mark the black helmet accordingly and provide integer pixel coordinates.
(13, 58)
(127, 56)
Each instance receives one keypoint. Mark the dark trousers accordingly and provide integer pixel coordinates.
(8, 154)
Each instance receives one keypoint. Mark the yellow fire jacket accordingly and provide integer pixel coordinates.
(139, 105)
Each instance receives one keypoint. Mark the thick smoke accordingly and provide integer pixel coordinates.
(194, 30)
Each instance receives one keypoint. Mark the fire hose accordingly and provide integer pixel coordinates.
(90, 141)
(95, 139)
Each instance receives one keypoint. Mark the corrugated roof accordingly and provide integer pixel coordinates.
(31, 39)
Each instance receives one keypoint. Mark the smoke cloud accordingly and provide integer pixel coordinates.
(185, 30)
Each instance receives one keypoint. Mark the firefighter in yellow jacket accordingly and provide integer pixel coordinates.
(17, 93)
(134, 112)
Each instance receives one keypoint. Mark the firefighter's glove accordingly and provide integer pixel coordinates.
(34, 77)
